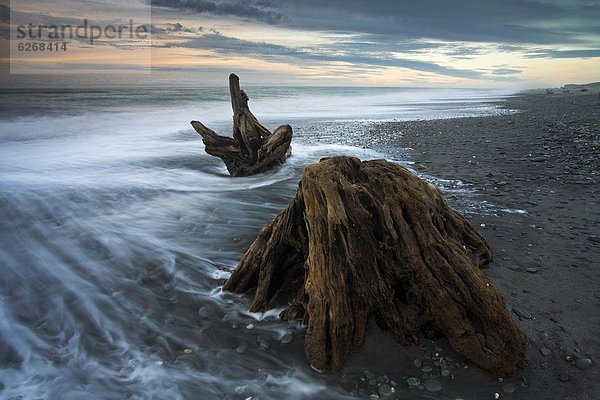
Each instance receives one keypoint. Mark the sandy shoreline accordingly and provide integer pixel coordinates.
(544, 160)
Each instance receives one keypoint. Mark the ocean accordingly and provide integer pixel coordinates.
(117, 231)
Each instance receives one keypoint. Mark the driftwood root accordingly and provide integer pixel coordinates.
(253, 149)
(364, 239)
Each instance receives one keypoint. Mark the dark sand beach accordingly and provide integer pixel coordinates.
(543, 159)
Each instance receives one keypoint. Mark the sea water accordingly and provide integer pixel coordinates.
(117, 231)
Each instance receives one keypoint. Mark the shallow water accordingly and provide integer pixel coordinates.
(117, 231)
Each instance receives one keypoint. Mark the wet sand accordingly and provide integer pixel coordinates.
(543, 159)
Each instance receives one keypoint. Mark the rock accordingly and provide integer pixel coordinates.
(583, 363)
(508, 388)
(532, 270)
(545, 351)
(427, 368)
(432, 385)
(385, 389)
(539, 159)
(418, 363)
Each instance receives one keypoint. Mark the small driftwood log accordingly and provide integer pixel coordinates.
(253, 149)
(369, 238)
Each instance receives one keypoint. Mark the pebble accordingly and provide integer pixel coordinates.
(413, 382)
(418, 362)
(524, 382)
(187, 351)
(231, 315)
(522, 313)
(385, 389)
(583, 363)
(240, 389)
(594, 239)
(508, 388)
(445, 372)
(514, 267)
(203, 312)
(263, 342)
(482, 339)
(545, 351)
(348, 384)
(241, 349)
(532, 270)
(287, 338)
(564, 377)
(432, 385)
(427, 368)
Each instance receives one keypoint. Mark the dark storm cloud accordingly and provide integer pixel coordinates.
(509, 21)
(234, 46)
(241, 9)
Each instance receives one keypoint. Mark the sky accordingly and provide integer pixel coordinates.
(459, 43)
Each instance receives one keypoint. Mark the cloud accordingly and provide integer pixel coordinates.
(506, 71)
(589, 53)
(273, 52)
(244, 10)
(508, 21)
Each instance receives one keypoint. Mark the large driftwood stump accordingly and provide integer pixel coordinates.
(253, 149)
(369, 238)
